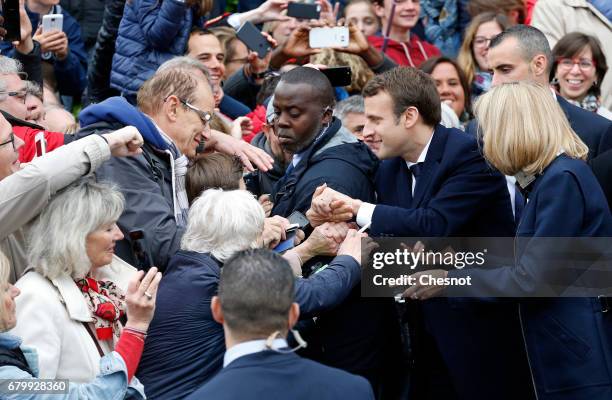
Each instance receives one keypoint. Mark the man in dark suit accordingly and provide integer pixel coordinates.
(255, 305)
(434, 182)
(523, 53)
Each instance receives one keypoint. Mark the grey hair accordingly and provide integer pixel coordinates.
(531, 41)
(8, 66)
(187, 63)
(34, 89)
(353, 104)
(223, 223)
(58, 236)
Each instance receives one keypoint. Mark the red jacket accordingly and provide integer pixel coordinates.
(417, 49)
(28, 151)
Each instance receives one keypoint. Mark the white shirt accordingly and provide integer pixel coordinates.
(250, 347)
(364, 215)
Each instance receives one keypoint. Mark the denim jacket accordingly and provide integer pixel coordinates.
(111, 384)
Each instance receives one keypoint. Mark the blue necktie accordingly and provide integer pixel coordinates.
(416, 170)
(519, 204)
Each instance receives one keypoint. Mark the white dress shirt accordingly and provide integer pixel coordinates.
(250, 347)
(364, 215)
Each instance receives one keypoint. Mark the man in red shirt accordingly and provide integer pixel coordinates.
(402, 47)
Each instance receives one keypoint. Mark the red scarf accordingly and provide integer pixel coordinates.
(106, 303)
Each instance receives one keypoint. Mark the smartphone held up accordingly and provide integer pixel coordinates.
(10, 12)
(337, 36)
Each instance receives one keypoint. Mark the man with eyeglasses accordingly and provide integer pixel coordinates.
(174, 110)
(26, 189)
(13, 106)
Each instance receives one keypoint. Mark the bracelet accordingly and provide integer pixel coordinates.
(105, 139)
(136, 331)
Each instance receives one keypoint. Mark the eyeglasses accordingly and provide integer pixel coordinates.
(11, 140)
(204, 115)
(585, 64)
(20, 95)
(481, 41)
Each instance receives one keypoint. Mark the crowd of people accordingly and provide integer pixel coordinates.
(184, 217)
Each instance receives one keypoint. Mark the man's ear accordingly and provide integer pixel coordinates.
(170, 108)
(411, 116)
(539, 65)
(294, 314)
(328, 114)
(215, 307)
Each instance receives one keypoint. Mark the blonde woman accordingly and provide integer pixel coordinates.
(17, 362)
(472, 56)
(74, 296)
(568, 340)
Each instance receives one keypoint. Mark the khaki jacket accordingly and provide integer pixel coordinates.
(555, 18)
(26, 192)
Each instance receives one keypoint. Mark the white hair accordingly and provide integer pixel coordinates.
(58, 236)
(223, 223)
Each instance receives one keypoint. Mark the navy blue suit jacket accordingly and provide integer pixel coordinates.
(594, 130)
(569, 340)
(458, 194)
(270, 375)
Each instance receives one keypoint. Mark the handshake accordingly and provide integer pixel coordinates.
(329, 205)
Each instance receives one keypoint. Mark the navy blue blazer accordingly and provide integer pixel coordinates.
(271, 375)
(458, 194)
(594, 130)
(185, 345)
(568, 340)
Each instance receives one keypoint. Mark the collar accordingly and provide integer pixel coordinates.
(176, 153)
(250, 347)
(72, 298)
(9, 341)
(423, 154)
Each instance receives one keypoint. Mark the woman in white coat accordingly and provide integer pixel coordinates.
(73, 297)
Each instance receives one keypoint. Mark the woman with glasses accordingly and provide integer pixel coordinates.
(578, 68)
(472, 56)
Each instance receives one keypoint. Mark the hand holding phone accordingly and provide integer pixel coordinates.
(337, 36)
(254, 39)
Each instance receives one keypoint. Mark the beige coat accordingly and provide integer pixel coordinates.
(558, 17)
(26, 192)
(50, 316)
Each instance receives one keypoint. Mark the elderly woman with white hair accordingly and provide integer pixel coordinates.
(20, 363)
(185, 345)
(73, 296)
